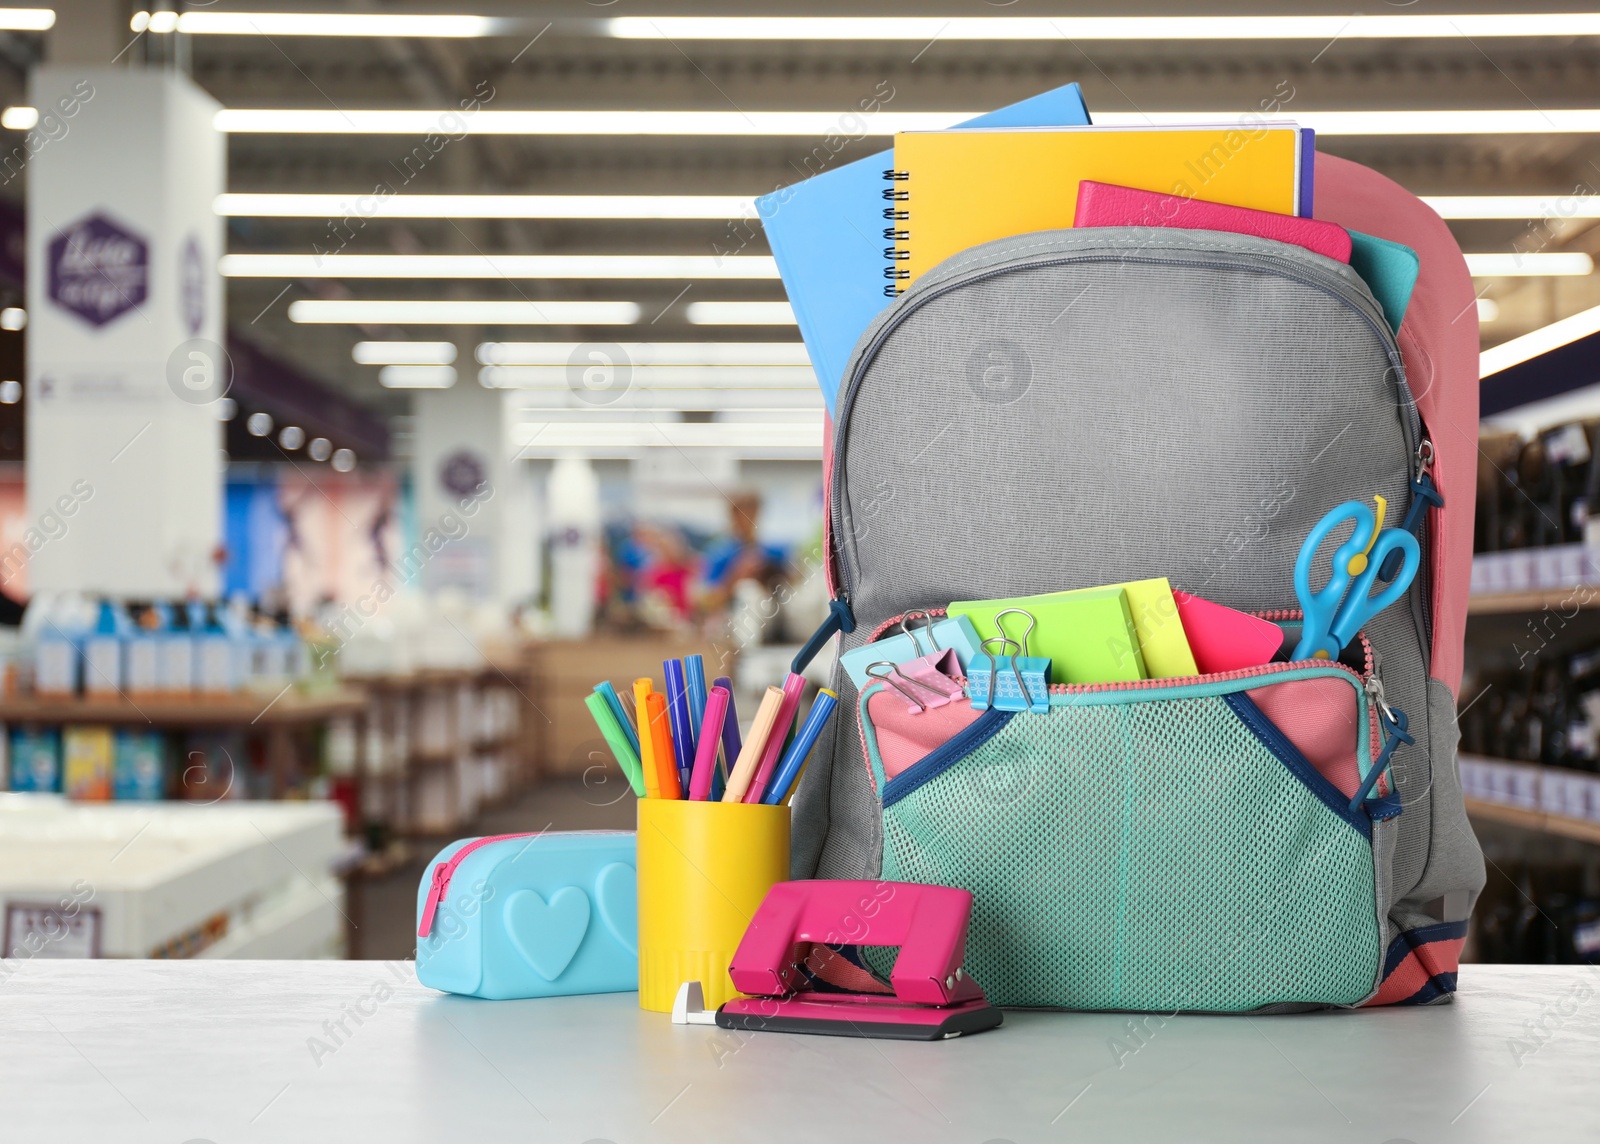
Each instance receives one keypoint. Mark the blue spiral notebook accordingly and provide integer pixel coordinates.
(826, 234)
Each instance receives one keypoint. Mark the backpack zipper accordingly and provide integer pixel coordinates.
(1411, 423)
(1369, 658)
(444, 871)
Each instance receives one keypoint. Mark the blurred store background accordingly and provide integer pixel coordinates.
(375, 379)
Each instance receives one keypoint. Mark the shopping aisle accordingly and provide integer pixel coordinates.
(388, 917)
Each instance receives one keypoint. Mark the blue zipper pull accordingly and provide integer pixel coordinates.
(1392, 726)
(1423, 494)
(840, 619)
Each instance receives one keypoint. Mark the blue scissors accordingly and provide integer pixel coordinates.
(1334, 615)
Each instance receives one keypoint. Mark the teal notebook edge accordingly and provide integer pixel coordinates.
(826, 234)
(1390, 271)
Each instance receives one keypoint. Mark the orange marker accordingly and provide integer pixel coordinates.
(667, 782)
(647, 756)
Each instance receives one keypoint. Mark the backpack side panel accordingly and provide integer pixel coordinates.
(1439, 341)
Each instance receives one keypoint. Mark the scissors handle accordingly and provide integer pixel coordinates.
(1322, 608)
(1358, 607)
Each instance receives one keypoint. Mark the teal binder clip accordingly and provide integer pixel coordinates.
(1012, 680)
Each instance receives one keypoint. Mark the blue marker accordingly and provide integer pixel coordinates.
(683, 740)
(795, 757)
(694, 674)
(613, 701)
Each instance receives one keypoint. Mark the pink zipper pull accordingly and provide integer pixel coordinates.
(441, 879)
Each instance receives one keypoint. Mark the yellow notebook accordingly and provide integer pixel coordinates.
(962, 188)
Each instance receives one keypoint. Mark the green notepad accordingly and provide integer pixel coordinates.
(1088, 635)
(1162, 639)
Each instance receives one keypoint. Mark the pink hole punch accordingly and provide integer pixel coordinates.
(932, 997)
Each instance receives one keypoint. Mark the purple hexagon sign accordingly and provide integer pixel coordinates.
(99, 270)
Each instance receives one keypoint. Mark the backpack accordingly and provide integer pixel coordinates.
(1073, 408)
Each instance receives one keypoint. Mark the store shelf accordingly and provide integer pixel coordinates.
(1564, 600)
(1533, 797)
(1556, 824)
(243, 709)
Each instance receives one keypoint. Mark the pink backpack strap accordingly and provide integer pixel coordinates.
(1439, 344)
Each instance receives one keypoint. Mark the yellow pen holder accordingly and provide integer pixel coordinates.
(704, 867)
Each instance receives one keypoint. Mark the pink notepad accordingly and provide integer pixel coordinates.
(1105, 204)
(1223, 639)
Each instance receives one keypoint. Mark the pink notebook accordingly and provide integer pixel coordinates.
(1104, 204)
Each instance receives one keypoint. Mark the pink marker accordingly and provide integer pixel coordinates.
(792, 687)
(705, 758)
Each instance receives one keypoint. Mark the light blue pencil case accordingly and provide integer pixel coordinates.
(531, 915)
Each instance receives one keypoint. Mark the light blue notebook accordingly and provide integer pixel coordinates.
(1390, 271)
(826, 234)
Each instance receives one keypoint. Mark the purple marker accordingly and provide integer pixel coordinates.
(731, 741)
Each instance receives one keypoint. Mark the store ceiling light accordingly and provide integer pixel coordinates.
(1515, 206)
(246, 205)
(817, 124)
(739, 314)
(540, 401)
(19, 118)
(795, 433)
(27, 19)
(653, 353)
(1488, 310)
(918, 29)
(1540, 341)
(13, 318)
(310, 24)
(498, 122)
(617, 376)
(365, 206)
(1537, 264)
(677, 266)
(406, 312)
(403, 353)
(417, 376)
(1521, 121)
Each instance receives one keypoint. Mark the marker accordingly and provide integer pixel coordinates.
(800, 750)
(792, 687)
(705, 759)
(661, 745)
(750, 756)
(730, 742)
(694, 674)
(622, 750)
(647, 751)
(614, 701)
(683, 744)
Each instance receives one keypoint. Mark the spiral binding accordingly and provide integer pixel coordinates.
(895, 233)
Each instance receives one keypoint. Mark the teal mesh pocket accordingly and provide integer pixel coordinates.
(1160, 854)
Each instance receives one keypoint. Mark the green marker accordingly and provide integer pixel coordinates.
(627, 758)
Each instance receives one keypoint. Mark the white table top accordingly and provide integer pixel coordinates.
(176, 1052)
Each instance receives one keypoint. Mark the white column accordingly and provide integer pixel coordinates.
(124, 332)
(460, 445)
